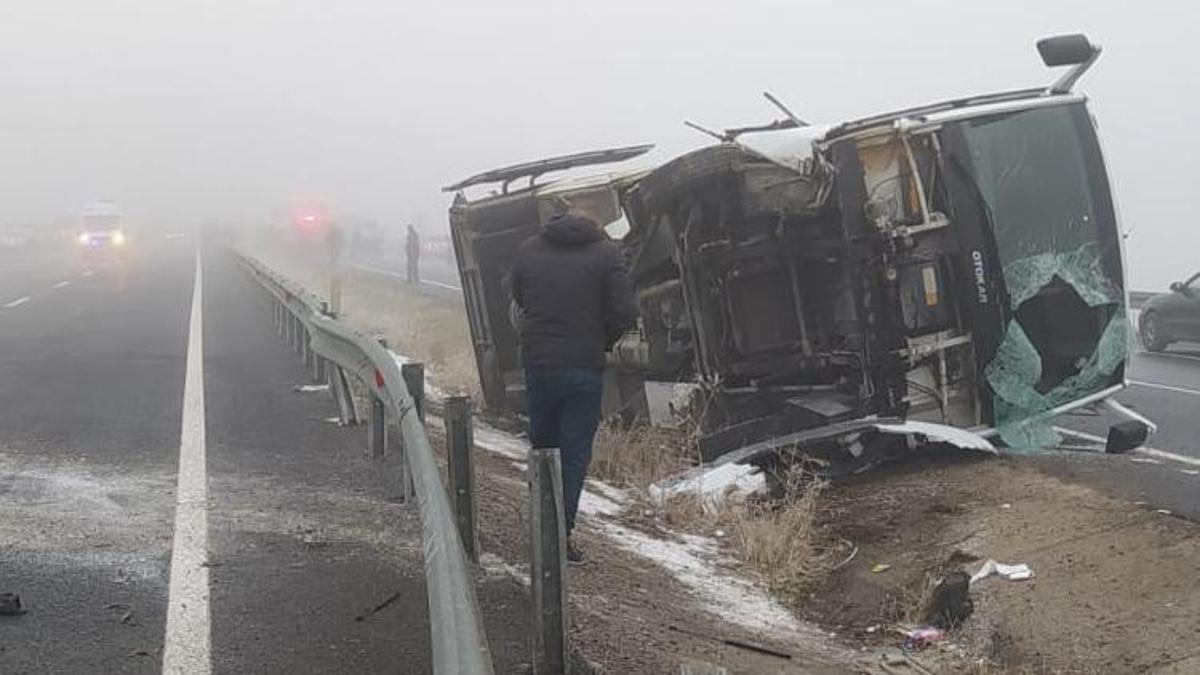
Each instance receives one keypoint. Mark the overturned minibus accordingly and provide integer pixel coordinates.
(951, 272)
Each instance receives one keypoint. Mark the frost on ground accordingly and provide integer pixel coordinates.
(698, 563)
(495, 566)
(695, 561)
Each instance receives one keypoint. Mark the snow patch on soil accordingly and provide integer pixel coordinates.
(500, 443)
(495, 566)
(697, 562)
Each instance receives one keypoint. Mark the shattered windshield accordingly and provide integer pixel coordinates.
(1041, 178)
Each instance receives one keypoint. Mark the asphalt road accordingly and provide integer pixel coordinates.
(292, 538)
(1165, 473)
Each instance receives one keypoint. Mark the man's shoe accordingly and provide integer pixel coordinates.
(574, 555)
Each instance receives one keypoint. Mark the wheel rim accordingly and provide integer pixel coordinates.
(1149, 332)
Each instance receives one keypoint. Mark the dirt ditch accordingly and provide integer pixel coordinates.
(1111, 586)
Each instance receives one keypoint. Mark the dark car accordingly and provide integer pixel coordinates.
(1172, 317)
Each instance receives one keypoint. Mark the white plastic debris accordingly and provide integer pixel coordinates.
(1019, 572)
(712, 484)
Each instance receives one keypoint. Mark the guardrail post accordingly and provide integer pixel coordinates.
(318, 368)
(413, 375)
(377, 428)
(335, 292)
(548, 562)
(377, 420)
(414, 378)
(460, 470)
(293, 324)
(341, 392)
(301, 337)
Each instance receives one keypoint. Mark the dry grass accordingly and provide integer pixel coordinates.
(782, 540)
(430, 329)
(641, 455)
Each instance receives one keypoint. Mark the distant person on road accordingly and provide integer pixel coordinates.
(412, 250)
(335, 242)
(572, 300)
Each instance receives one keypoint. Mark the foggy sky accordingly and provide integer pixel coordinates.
(191, 111)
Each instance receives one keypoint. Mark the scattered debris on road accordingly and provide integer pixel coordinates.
(378, 608)
(10, 605)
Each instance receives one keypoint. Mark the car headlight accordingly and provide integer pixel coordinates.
(84, 239)
(118, 238)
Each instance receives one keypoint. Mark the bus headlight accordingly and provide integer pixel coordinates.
(118, 239)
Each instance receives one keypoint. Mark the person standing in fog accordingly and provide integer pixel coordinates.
(412, 250)
(572, 300)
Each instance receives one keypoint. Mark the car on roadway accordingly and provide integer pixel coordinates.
(102, 231)
(1172, 317)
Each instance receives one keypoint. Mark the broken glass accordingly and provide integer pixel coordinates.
(1016, 368)
(1042, 180)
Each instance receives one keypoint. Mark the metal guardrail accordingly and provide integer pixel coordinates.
(1139, 298)
(331, 349)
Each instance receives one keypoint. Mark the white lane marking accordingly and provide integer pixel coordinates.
(18, 302)
(438, 284)
(397, 275)
(1081, 434)
(1163, 454)
(1165, 387)
(1146, 452)
(187, 644)
(88, 273)
(1167, 355)
(61, 284)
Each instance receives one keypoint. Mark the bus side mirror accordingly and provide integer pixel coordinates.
(1068, 50)
(1065, 50)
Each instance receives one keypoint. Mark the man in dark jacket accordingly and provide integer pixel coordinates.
(574, 299)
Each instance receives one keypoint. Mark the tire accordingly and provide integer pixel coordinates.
(1151, 333)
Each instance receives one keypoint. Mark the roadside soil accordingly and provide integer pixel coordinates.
(1110, 592)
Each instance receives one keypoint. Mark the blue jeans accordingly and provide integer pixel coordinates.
(564, 411)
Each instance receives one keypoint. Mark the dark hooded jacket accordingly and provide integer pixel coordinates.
(574, 295)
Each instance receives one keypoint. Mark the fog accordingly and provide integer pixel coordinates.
(189, 111)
